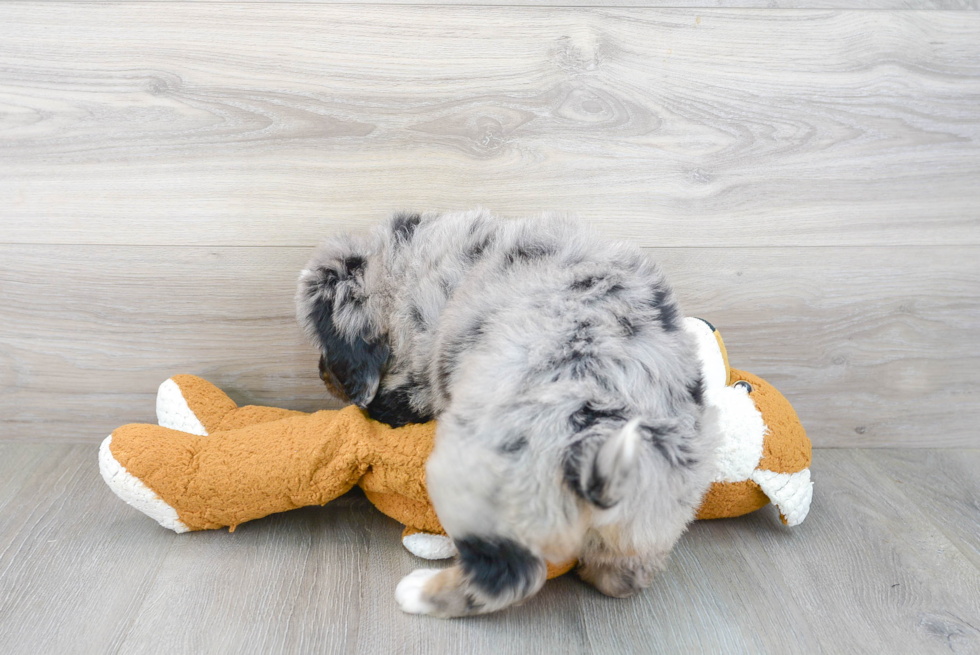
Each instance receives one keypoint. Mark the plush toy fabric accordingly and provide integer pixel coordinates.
(764, 454)
(211, 464)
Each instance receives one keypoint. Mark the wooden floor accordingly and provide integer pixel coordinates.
(887, 562)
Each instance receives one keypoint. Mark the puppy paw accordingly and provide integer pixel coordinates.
(410, 592)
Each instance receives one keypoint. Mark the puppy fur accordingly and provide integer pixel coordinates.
(571, 422)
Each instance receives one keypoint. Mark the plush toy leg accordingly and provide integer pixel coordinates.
(393, 460)
(428, 545)
(136, 494)
(173, 411)
(233, 476)
(192, 404)
(185, 404)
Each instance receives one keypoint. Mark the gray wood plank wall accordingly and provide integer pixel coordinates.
(808, 179)
(949, 5)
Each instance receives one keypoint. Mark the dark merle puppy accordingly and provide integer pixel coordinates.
(568, 396)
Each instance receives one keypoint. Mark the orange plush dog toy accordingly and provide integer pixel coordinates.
(211, 464)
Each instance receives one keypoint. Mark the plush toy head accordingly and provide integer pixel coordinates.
(764, 454)
(212, 464)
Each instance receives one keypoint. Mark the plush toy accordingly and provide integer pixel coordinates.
(211, 464)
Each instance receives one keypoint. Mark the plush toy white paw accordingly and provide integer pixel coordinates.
(429, 546)
(173, 411)
(134, 492)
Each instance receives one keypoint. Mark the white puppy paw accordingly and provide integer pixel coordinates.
(409, 594)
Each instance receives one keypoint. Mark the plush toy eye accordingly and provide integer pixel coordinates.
(742, 384)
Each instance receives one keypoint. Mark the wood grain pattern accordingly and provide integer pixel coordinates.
(945, 5)
(863, 573)
(874, 346)
(291, 583)
(71, 579)
(259, 124)
(869, 571)
(943, 485)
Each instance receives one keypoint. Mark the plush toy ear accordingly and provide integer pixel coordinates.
(715, 370)
(331, 307)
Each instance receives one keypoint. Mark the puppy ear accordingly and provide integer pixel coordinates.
(331, 308)
(603, 477)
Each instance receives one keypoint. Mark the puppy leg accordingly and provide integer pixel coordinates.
(491, 574)
(622, 576)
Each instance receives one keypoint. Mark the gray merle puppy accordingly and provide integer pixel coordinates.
(569, 398)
